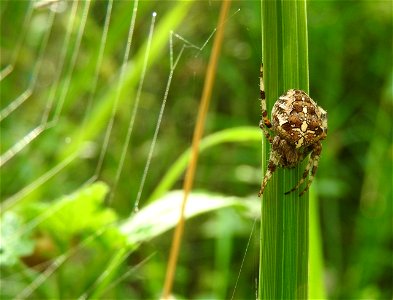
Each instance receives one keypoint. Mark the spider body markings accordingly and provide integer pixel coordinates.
(297, 128)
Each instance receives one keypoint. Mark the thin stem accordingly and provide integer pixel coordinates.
(189, 178)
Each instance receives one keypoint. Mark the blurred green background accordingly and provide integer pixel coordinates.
(350, 59)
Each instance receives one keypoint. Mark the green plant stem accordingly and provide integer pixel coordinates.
(284, 218)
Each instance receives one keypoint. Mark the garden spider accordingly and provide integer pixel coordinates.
(298, 126)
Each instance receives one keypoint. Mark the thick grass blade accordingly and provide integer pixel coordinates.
(284, 218)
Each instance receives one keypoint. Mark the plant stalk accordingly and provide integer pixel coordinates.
(284, 219)
(198, 132)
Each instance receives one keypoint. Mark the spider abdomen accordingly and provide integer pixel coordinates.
(298, 119)
(285, 154)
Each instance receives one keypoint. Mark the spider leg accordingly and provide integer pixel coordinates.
(271, 168)
(304, 177)
(313, 172)
(312, 162)
(265, 123)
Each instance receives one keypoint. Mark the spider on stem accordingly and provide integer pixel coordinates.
(298, 126)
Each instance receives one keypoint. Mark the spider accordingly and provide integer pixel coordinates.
(298, 127)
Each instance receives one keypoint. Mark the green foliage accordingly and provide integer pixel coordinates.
(316, 286)
(163, 213)
(234, 135)
(80, 212)
(66, 229)
(350, 62)
(100, 240)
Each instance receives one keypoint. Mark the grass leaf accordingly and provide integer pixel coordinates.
(284, 218)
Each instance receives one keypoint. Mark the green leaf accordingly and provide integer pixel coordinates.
(79, 213)
(163, 214)
(13, 244)
(231, 135)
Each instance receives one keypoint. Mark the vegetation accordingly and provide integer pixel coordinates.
(68, 231)
(284, 254)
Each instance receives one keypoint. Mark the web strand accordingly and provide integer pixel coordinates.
(95, 78)
(62, 59)
(118, 92)
(75, 52)
(33, 134)
(135, 109)
(154, 140)
(10, 67)
(244, 258)
(29, 91)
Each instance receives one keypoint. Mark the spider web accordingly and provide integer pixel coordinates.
(55, 106)
(52, 109)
